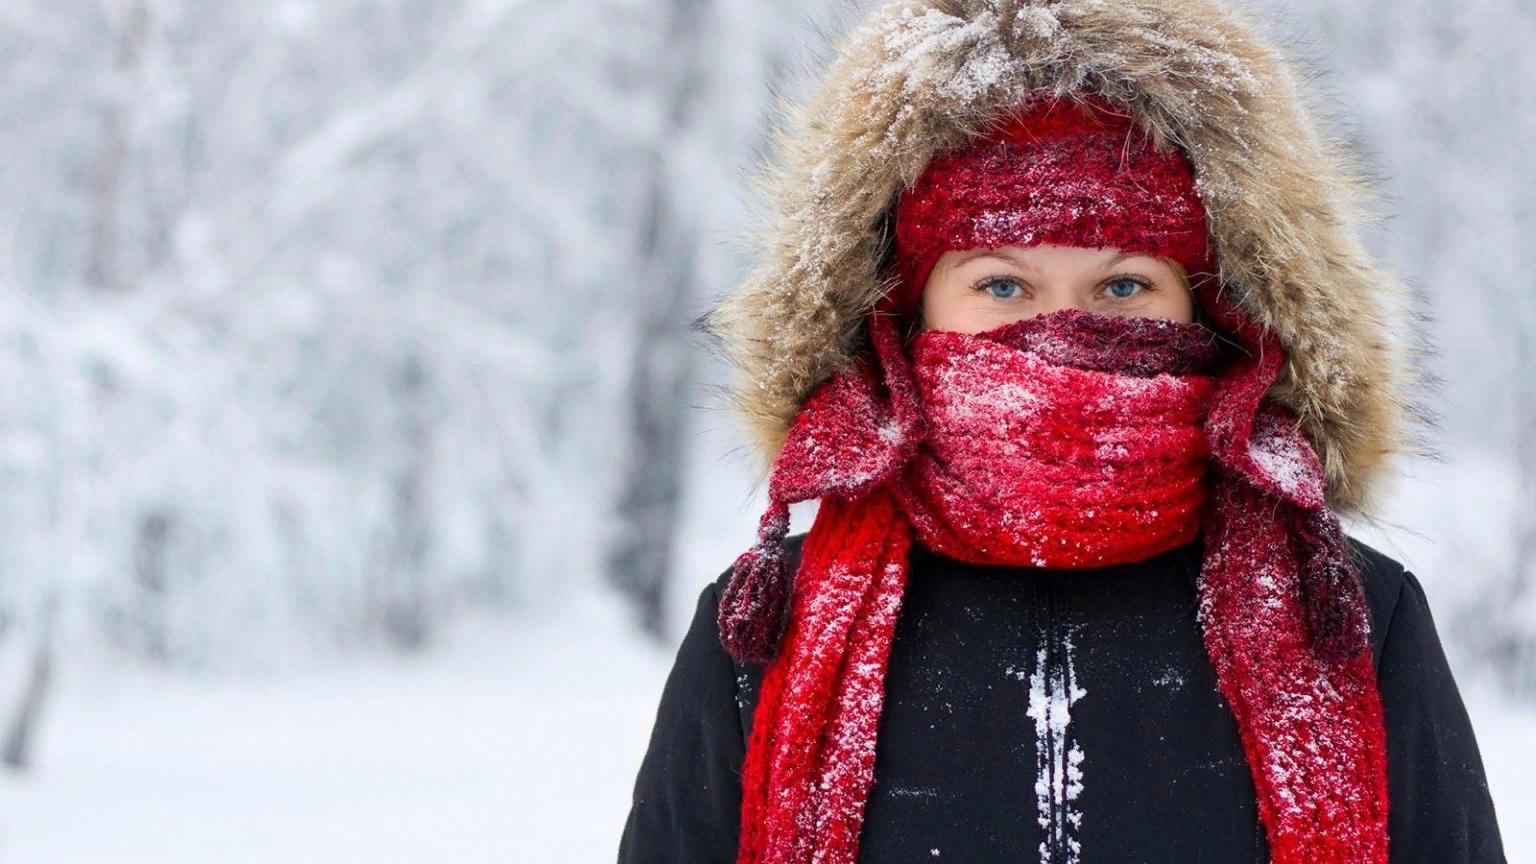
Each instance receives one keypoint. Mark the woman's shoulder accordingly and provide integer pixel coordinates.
(792, 546)
(1384, 576)
(1385, 579)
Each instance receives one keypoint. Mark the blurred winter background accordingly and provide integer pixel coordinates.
(358, 469)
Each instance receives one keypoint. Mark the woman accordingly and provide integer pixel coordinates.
(1066, 324)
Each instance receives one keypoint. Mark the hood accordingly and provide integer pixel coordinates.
(1285, 203)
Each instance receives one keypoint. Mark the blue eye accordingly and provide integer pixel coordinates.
(1002, 288)
(1126, 289)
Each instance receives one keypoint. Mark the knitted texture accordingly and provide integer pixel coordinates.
(1059, 173)
(1066, 440)
(1097, 467)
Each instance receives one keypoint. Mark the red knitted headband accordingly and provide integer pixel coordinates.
(1056, 173)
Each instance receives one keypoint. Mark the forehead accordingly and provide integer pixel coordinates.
(1036, 256)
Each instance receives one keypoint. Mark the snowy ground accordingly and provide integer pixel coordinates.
(514, 740)
(509, 744)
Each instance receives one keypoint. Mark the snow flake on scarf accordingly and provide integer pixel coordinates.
(927, 447)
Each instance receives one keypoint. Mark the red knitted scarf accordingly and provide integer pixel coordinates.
(1068, 440)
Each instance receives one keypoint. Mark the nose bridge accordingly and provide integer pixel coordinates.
(1056, 293)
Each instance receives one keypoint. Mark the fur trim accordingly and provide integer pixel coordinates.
(1284, 200)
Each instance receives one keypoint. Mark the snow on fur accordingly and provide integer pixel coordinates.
(1286, 202)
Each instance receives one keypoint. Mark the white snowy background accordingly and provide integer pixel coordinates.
(358, 470)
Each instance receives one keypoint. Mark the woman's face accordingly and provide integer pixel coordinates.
(978, 289)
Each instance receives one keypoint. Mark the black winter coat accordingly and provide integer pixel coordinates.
(1164, 774)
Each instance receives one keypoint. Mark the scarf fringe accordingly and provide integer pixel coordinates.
(1333, 591)
(754, 606)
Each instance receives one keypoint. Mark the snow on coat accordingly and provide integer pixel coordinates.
(1063, 717)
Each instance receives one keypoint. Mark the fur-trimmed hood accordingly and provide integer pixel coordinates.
(1285, 201)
